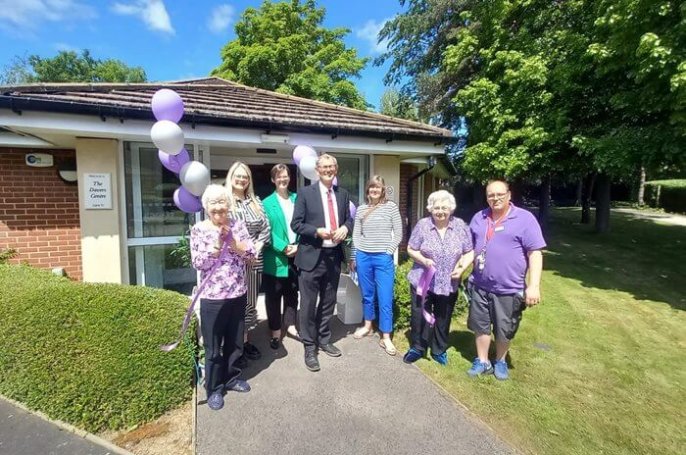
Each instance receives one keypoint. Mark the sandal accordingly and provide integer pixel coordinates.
(363, 332)
(387, 345)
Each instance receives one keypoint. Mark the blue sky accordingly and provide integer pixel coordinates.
(170, 39)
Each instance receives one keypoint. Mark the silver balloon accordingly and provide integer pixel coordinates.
(194, 177)
(167, 136)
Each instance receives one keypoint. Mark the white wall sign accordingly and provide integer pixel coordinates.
(98, 191)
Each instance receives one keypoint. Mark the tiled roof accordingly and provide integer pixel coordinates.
(219, 102)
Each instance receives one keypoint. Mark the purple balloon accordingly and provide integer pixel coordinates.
(301, 151)
(185, 201)
(174, 162)
(167, 105)
(353, 210)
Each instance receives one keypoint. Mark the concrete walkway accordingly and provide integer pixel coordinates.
(365, 402)
(23, 433)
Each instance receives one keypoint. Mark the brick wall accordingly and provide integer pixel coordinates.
(406, 171)
(39, 213)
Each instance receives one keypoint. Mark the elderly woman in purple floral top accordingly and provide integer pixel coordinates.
(220, 248)
(440, 244)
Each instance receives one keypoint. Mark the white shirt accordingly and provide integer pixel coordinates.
(287, 209)
(325, 204)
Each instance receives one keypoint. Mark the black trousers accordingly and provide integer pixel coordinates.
(422, 334)
(322, 283)
(276, 288)
(222, 323)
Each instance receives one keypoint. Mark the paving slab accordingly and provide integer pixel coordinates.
(365, 402)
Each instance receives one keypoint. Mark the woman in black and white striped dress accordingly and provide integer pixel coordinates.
(248, 208)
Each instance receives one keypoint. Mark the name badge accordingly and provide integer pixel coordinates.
(499, 228)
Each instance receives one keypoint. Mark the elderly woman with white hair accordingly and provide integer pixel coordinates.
(220, 249)
(441, 247)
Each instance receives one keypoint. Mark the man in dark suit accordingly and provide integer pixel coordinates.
(322, 219)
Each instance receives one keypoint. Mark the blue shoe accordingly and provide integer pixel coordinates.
(441, 358)
(239, 386)
(412, 355)
(215, 401)
(480, 368)
(500, 370)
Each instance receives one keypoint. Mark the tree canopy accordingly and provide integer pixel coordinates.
(68, 66)
(283, 47)
(549, 86)
(397, 104)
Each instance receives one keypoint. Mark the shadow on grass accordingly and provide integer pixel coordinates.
(638, 256)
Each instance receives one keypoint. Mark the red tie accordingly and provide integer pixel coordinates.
(332, 212)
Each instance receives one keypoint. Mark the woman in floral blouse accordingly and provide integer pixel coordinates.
(247, 207)
(220, 248)
(440, 244)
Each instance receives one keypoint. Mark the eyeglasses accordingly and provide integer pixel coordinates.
(327, 166)
(217, 201)
(496, 196)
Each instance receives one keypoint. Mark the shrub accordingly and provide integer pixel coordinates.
(88, 354)
(402, 298)
(667, 194)
(6, 254)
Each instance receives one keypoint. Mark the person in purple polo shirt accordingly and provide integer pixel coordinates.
(507, 242)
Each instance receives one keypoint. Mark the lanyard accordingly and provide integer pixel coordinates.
(493, 225)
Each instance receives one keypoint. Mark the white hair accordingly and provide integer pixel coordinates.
(215, 191)
(441, 196)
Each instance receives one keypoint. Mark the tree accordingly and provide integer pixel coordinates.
(283, 47)
(550, 87)
(396, 104)
(68, 66)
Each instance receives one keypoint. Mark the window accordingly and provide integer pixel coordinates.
(154, 224)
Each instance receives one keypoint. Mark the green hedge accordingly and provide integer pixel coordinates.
(671, 197)
(402, 303)
(88, 354)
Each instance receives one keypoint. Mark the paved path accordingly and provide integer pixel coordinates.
(364, 402)
(22, 433)
(659, 217)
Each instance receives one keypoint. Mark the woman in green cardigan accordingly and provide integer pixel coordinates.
(280, 276)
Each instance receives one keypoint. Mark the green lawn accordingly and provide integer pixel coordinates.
(598, 367)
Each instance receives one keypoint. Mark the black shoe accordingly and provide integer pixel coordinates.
(331, 350)
(242, 362)
(311, 361)
(274, 343)
(239, 386)
(251, 351)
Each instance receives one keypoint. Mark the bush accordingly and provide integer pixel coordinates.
(667, 194)
(88, 354)
(402, 297)
(6, 254)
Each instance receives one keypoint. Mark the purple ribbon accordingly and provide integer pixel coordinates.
(198, 291)
(423, 290)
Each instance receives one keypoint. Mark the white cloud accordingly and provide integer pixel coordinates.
(152, 12)
(29, 14)
(220, 19)
(370, 33)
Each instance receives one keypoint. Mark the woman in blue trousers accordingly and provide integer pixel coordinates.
(376, 235)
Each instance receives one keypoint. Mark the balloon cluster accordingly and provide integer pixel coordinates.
(166, 134)
(305, 157)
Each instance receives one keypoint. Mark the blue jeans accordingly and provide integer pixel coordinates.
(376, 272)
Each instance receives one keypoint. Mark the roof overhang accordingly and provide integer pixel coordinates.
(61, 129)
